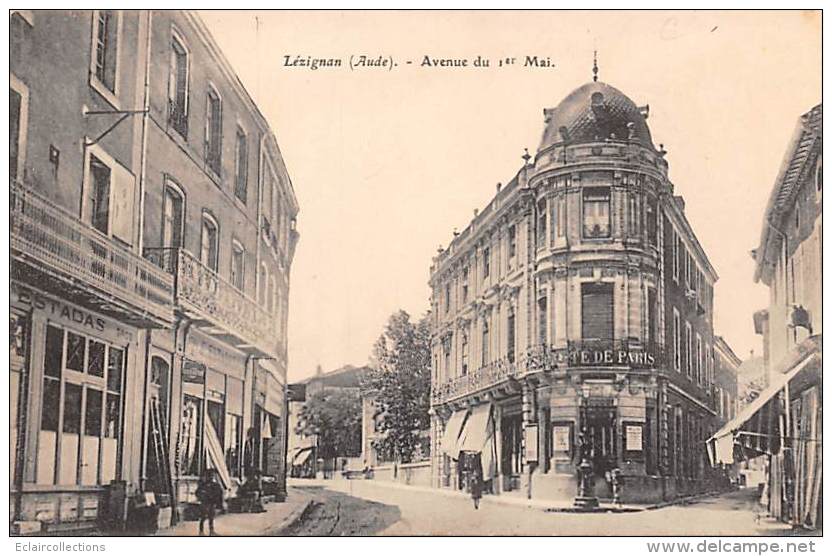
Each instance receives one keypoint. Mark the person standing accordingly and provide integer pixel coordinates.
(209, 494)
(476, 481)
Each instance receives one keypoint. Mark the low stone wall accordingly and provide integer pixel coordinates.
(416, 474)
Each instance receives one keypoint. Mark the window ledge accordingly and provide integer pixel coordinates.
(105, 93)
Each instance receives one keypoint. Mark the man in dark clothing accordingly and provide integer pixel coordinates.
(209, 494)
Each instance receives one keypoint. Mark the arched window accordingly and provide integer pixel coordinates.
(213, 131)
(209, 252)
(238, 265)
(173, 215)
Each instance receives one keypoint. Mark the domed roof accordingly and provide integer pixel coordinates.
(595, 112)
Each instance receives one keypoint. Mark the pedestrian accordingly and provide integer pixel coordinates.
(209, 494)
(476, 481)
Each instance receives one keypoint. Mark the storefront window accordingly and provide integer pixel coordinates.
(95, 365)
(87, 426)
(233, 441)
(75, 350)
(191, 439)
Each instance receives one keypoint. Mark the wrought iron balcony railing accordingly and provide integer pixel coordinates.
(178, 117)
(581, 353)
(96, 269)
(205, 296)
(485, 377)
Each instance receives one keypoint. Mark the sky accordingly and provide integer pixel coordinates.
(386, 162)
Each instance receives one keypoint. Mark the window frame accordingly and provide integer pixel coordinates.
(486, 262)
(85, 381)
(587, 191)
(209, 218)
(688, 350)
(116, 169)
(237, 248)
(172, 185)
(541, 223)
(99, 86)
(677, 341)
(210, 121)
(699, 360)
(23, 125)
(241, 133)
(178, 38)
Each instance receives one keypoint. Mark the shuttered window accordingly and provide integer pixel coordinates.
(596, 311)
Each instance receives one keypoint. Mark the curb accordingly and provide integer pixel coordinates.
(682, 501)
(294, 517)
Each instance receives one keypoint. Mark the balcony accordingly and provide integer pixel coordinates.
(213, 303)
(53, 250)
(485, 377)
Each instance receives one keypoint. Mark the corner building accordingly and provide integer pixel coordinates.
(152, 233)
(577, 304)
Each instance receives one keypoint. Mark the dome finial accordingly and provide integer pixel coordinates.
(594, 65)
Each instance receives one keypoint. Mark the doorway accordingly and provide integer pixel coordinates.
(600, 427)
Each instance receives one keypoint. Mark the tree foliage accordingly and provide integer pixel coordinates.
(399, 382)
(335, 417)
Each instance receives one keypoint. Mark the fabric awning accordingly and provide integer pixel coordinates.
(450, 438)
(756, 428)
(476, 430)
(478, 436)
(301, 457)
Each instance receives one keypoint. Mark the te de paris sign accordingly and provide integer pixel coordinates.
(600, 357)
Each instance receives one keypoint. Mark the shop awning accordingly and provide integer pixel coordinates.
(450, 438)
(478, 436)
(756, 428)
(301, 457)
(477, 429)
(215, 454)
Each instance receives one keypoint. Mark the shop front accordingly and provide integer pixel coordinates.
(269, 429)
(784, 424)
(209, 417)
(74, 422)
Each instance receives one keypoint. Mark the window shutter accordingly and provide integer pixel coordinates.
(597, 311)
(122, 202)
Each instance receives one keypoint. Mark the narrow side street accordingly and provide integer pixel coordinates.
(371, 508)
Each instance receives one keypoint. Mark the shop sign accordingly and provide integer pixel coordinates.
(633, 438)
(296, 392)
(604, 357)
(57, 309)
(560, 438)
(531, 443)
(193, 372)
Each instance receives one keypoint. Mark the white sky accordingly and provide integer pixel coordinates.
(386, 164)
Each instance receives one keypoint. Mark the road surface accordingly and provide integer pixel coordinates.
(374, 508)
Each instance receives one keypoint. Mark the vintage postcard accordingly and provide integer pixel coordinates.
(420, 273)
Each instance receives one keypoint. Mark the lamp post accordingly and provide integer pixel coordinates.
(586, 499)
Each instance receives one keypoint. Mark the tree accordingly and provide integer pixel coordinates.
(399, 383)
(334, 416)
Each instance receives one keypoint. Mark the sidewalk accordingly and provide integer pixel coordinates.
(277, 517)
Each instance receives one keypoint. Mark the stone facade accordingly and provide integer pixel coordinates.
(579, 304)
(153, 229)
